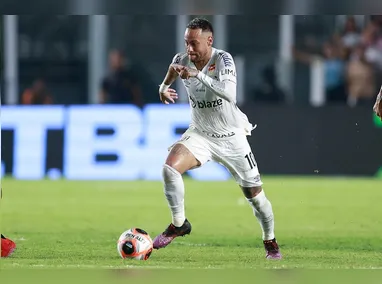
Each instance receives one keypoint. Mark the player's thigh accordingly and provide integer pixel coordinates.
(195, 145)
(237, 156)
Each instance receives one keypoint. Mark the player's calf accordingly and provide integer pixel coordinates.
(263, 211)
(174, 192)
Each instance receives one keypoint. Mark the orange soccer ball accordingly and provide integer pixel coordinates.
(135, 243)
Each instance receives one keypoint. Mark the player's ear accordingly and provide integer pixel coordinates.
(210, 40)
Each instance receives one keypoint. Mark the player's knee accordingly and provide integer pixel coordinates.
(251, 186)
(174, 163)
(181, 159)
(169, 173)
(251, 191)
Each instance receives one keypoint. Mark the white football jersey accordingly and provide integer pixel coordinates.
(210, 113)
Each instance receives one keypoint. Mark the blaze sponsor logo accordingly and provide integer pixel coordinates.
(193, 102)
(206, 104)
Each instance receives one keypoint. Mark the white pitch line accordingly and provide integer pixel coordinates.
(127, 266)
(82, 266)
(191, 244)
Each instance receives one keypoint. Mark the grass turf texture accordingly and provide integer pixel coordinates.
(326, 223)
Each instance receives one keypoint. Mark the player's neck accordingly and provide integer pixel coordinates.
(203, 62)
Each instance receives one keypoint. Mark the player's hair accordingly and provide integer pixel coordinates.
(199, 23)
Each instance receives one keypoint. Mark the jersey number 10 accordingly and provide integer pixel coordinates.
(251, 160)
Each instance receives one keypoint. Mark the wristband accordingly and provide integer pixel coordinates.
(163, 88)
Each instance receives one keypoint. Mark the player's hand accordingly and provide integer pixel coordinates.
(169, 96)
(185, 72)
(378, 105)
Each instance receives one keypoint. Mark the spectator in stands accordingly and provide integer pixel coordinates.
(351, 35)
(37, 94)
(268, 91)
(360, 79)
(120, 86)
(372, 39)
(349, 38)
(334, 70)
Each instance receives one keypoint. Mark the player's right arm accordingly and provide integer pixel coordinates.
(378, 104)
(166, 94)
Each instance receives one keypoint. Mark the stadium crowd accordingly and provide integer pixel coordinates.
(352, 58)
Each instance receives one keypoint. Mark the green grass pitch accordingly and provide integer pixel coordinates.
(321, 223)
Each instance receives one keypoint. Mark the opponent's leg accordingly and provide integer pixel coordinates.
(7, 247)
(178, 161)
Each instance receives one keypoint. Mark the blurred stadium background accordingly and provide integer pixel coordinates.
(309, 82)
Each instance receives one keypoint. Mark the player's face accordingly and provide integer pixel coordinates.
(197, 44)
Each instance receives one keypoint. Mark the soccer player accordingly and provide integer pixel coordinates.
(218, 132)
(7, 245)
(378, 104)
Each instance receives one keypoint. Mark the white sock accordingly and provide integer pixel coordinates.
(262, 209)
(174, 191)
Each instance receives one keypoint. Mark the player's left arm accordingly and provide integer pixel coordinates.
(225, 86)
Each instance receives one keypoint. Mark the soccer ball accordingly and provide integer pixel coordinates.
(135, 243)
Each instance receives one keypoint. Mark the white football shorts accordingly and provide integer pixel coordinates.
(233, 152)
